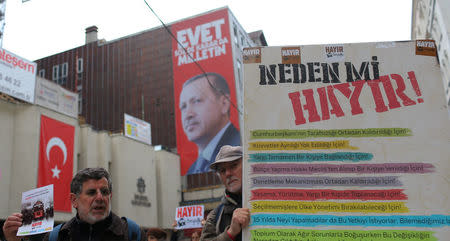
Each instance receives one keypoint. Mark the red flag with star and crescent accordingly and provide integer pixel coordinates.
(56, 160)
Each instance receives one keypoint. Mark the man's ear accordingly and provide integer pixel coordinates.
(73, 200)
(225, 102)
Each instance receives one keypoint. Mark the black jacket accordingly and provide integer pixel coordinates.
(113, 228)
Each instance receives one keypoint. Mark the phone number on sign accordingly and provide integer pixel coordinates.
(10, 80)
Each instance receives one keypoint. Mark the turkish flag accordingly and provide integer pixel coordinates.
(56, 160)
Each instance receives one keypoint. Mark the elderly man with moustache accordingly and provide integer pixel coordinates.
(205, 115)
(91, 191)
(225, 222)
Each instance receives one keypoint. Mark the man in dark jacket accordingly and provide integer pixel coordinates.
(91, 191)
(227, 220)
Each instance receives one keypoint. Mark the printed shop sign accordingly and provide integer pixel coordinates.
(17, 76)
(350, 137)
(189, 216)
(37, 211)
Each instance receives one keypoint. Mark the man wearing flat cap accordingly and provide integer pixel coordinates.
(228, 219)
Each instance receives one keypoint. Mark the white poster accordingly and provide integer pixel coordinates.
(17, 76)
(37, 211)
(137, 129)
(346, 142)
(189, 216)
(55, 97)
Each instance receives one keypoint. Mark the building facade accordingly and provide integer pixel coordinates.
(134, 75)
(130, 75)
(129, 162)
(431, 20)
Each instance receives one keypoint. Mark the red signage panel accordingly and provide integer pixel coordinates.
(206, 117)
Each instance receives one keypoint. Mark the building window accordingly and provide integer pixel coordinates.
(63, 80)
(60, 73)
(64, 71)
(80, 65)
(55, 74)
(42, 73)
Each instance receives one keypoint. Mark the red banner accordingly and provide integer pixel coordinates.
(200, 116)
(56, 160)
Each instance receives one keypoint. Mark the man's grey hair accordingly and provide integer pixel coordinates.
(217, 83)
(86, 174)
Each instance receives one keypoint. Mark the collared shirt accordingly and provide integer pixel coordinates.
(208, 152)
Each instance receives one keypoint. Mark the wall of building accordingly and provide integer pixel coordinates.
(168, 188)
(126, 159)
(130, 75)
(132, 160)
(21, 152)
(7, 112)
(90, 151)
(431, 20)
(239, 41)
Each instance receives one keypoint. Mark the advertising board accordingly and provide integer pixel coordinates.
(17, 76)
(137, 129)
(204, 113)
(55, 97)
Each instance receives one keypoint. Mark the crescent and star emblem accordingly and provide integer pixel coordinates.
(56, 142)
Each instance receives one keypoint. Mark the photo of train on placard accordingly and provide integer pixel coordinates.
(36, 211)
